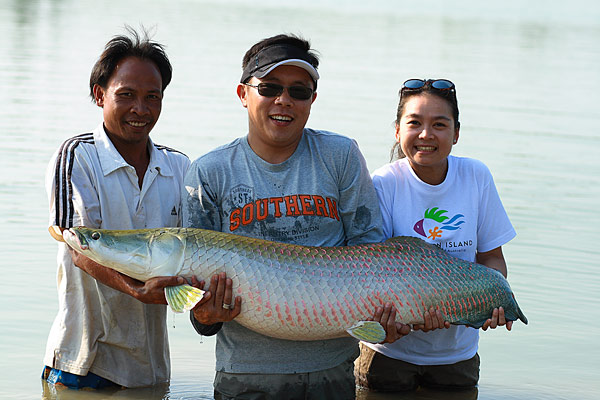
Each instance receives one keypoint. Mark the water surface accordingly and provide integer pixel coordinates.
(528, 85)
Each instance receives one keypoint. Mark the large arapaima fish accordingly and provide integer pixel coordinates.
(307, 293)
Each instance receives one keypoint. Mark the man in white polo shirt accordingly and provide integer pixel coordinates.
(111, 329)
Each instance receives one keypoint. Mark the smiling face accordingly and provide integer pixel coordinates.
(275, 124)
(131, 101)
(426, 132)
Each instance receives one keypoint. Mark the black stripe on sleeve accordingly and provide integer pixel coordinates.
(161, 147)
(63, 197)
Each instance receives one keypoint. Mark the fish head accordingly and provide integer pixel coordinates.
(110, 248)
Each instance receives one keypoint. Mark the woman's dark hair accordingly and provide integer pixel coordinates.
(291, 40)
(123, 46)
(449, 95)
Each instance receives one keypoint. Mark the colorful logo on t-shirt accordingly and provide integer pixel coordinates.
(435, 223)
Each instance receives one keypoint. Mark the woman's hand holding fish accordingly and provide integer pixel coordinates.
(498, 319)
(433, 319)
(217, 304)
(386, 316)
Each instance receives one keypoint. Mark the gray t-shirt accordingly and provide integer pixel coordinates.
(321, 196)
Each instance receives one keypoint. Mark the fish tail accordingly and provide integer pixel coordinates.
(521, 316)
(518, 313)
(515, 313)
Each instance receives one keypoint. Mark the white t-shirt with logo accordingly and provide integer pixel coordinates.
(463, 215)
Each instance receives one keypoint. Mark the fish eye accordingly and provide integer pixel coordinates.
(95, 235)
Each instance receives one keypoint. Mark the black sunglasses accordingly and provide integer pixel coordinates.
(275, 90)
(439, 84)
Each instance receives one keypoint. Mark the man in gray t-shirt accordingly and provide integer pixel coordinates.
(286, 183)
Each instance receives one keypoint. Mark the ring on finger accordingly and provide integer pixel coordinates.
(227, 306)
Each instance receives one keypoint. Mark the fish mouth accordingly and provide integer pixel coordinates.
(74, 238)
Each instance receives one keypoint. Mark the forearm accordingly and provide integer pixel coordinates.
(205, 330)
(102, 274)
(493, 259)
(107, 276)
(149, 292)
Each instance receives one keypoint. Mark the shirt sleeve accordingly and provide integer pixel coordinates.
(205, 330)
(200, 211)
(200, 208)
(73, 197)
(184, 168)
(386, 204)
(494, 228)
(358, 203)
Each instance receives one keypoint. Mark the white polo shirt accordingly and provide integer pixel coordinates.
(99, 329)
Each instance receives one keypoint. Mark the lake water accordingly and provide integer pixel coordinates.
(528, 83)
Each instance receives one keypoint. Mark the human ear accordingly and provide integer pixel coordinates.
(242, 93)
(98, 95)
(456, 134)
(397, 135)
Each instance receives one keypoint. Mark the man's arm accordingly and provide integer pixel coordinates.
(149, 292)
(77, 192)
(361, 216)
(358, 203)
(208, 315)
(200, 210)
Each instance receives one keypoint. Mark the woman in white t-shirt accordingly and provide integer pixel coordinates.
(448, 201)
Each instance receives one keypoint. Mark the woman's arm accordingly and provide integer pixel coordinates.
(495, 259)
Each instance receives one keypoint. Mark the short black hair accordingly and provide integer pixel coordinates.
(287, 39)
(123, 46)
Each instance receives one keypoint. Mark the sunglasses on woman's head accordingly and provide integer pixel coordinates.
(275, 90)
(439, 84)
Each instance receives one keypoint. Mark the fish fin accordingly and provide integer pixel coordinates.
(510, 314)
(183, 297)
(367, 331)
(56, 233)
(472, 324)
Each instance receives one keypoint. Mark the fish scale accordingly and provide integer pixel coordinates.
(311, 293)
